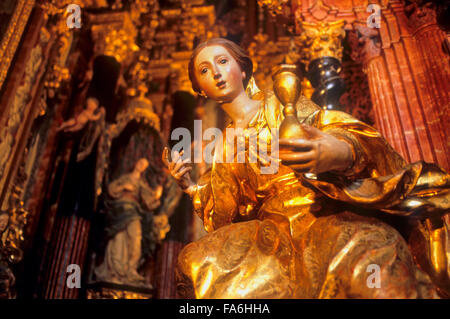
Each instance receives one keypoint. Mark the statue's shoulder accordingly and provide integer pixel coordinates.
(307, 110)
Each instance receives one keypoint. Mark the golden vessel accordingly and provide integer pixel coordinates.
(287, 88)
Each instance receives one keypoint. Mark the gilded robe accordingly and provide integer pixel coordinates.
(286, 235)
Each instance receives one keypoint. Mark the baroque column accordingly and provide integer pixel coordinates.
(420, 118)
(366, 49)
(322, 54)
(406, 115)
(431, 39)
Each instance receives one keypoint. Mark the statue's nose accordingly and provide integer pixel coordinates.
(217, 74)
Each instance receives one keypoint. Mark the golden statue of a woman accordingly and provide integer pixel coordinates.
(315, 227)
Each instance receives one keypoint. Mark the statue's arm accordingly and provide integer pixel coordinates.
(116, 187)
(372, 154)
(379, 178)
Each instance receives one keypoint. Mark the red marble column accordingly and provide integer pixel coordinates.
(430, 40)
(403, 104)
(404, 71)
(409, 101)
(366, 49)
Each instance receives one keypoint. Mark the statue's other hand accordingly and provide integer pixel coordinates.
(321, 152)
(178, 168)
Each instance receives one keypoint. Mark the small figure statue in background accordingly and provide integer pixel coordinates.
(78, 122)
(131, 198)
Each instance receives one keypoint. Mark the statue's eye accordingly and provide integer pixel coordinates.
(204, 70)
(223, 61)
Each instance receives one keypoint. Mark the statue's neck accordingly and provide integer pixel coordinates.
(241, 110)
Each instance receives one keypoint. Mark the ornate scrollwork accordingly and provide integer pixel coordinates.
(12, 251)
(58, 72)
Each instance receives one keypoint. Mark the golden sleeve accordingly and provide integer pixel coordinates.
(216, 199)
(379, 177)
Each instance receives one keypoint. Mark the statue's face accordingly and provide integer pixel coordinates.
(218, 74)
(92, 104)
(142, 165)
(3, 222)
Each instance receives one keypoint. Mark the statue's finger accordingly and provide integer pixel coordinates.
(297, 157)
(171, 165)
(165, 156)
(296, 144)
(175, 157)
(180, 163)
(303, 168)
(183, 171)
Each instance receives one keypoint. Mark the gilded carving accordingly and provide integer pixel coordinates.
(266, 54)
(109, 293)
(12, 227)
(321, 40)
(20, 101)
(15, 235)
(11, 39)
(114, 35)
(275, 7)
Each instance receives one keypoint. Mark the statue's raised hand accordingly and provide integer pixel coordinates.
(320, 153)
(178, 168)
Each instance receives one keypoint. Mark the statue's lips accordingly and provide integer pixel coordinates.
(221, 84)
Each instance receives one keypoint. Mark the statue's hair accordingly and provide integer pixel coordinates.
(235, 51)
